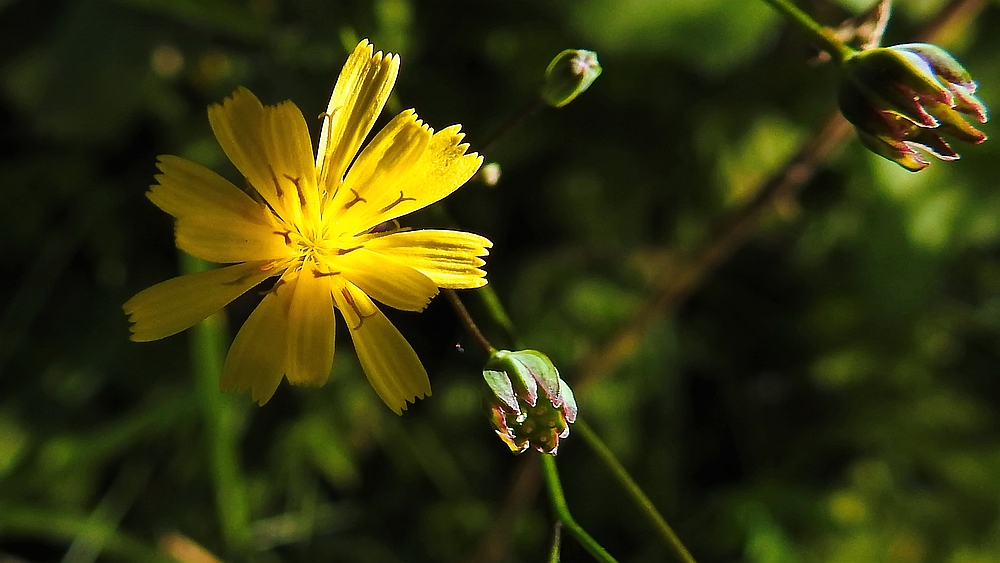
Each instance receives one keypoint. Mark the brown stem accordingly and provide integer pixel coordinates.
(467, 322)
(734, 231)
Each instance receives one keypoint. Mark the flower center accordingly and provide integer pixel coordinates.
(315, 250)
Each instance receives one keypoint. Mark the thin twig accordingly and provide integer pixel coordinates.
(524, 113)
(467, 322)
(740, 227)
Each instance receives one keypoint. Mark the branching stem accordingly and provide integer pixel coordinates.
(562, 512)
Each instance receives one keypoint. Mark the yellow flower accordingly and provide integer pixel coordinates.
(319, 224)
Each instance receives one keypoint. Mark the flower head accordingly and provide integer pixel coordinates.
(904, 97)
(318, 224)
(530, 405)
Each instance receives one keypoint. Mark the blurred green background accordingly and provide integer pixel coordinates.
(828, 395)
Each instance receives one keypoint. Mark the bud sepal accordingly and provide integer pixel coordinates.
(569, 74)
(530, 405)
(905, 97)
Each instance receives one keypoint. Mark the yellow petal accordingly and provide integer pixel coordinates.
(358, 98)
(388, 281)
(216, 239)
(311, 325)
(216, 221)
(451, 259)
(291, 155)
(176, 304)
(440, 170)
(247, 132)
(185, 188)
(381, 167)
(257, 358)
(391, 365)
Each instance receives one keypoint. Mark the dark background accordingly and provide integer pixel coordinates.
(828, 394)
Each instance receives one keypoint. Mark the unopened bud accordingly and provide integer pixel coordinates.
(530, 404)
(905, 97)
(569, 75)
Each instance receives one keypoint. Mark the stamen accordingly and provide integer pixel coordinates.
(401, 199)
(356, 199)
(277, 187)
(298, 188)
(274, 288)
(319, 274)
(328, 115)
(350, 301)
(287, 235)
(266, 267)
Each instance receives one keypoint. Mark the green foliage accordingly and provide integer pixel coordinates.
(827, 394)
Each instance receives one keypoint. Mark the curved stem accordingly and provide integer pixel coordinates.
(562, 512)
(634, 492)
(821, 36)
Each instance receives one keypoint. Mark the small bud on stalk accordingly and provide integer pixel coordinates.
(530, 404)
(569, 75)
(905, 97)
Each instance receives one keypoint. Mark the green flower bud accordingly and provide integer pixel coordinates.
(904, 97)
(569, 75)
(530, 405)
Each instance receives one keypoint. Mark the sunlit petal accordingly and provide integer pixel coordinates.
(451, 259)
(374, 179)
(358, 98)
(176, 304)
(267, 153)
(387, 280)
(391, 365)
(185, 188)
(291, 159)
(311, 325)
(440, 170)
(257, 358)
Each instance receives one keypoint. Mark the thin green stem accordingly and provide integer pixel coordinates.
(563, 514)
(496, 311)
(223, 420)
(556, 543)
(821, 36)
(635, 493)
